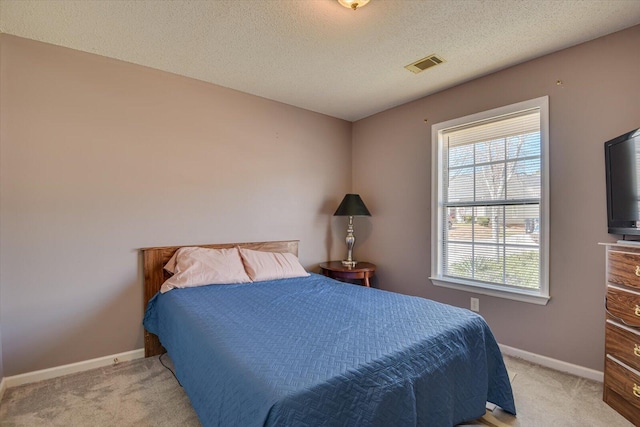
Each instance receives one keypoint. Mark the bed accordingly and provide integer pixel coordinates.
(312, 351)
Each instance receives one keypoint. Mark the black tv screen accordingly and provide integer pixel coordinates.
(622, 164)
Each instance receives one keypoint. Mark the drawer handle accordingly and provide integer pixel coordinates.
(636, 390)
(637, 311)
(636, 350)
(638, 270)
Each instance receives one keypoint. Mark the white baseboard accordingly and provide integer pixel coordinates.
(58, 371)
(556, 364)
(72, 368)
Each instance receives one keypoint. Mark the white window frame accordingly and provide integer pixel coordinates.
(538, 296)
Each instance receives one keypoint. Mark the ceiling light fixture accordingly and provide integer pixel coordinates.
(353, 4)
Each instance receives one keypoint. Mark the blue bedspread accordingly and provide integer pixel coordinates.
(313, 351)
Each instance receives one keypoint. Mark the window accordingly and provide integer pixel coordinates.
(490, 202)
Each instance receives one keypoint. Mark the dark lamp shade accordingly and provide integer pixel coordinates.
(352, 205)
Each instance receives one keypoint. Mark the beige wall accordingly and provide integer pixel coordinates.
(598, 100)
(100, 157)
(1, 363)
(1, 123)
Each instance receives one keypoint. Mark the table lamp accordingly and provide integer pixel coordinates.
(352, 205)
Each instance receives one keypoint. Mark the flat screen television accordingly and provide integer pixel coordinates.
(622, 165)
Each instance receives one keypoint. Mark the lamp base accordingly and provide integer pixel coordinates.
(348, 263)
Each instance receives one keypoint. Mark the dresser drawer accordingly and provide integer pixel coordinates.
(623, 344)
(624, 305)
(623, 381)
(624, 269)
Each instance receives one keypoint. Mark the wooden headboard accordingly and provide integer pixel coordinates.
(154, 260)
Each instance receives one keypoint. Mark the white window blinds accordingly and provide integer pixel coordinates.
(490, 200)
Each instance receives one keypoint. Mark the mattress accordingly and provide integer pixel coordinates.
(313, 351)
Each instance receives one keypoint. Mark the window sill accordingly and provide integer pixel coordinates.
(468, 286)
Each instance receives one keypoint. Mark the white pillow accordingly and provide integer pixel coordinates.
(263, 266)
(194, 266)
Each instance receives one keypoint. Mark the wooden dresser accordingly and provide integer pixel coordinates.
(622, 331)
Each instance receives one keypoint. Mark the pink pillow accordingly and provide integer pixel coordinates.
(170, 266)
(194, 266)
(262, 266)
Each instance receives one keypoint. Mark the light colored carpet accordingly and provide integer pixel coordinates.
(137, 393)
(144, 393)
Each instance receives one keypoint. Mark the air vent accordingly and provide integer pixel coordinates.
(422, 64)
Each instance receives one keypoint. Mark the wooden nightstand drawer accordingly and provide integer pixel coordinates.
(624, 382)
(624, 269)
(624, 305)
(623, 344)
(361, 271)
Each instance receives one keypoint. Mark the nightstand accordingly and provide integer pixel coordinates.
(362, 271)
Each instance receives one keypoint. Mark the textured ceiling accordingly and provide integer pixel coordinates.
(316, 54)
